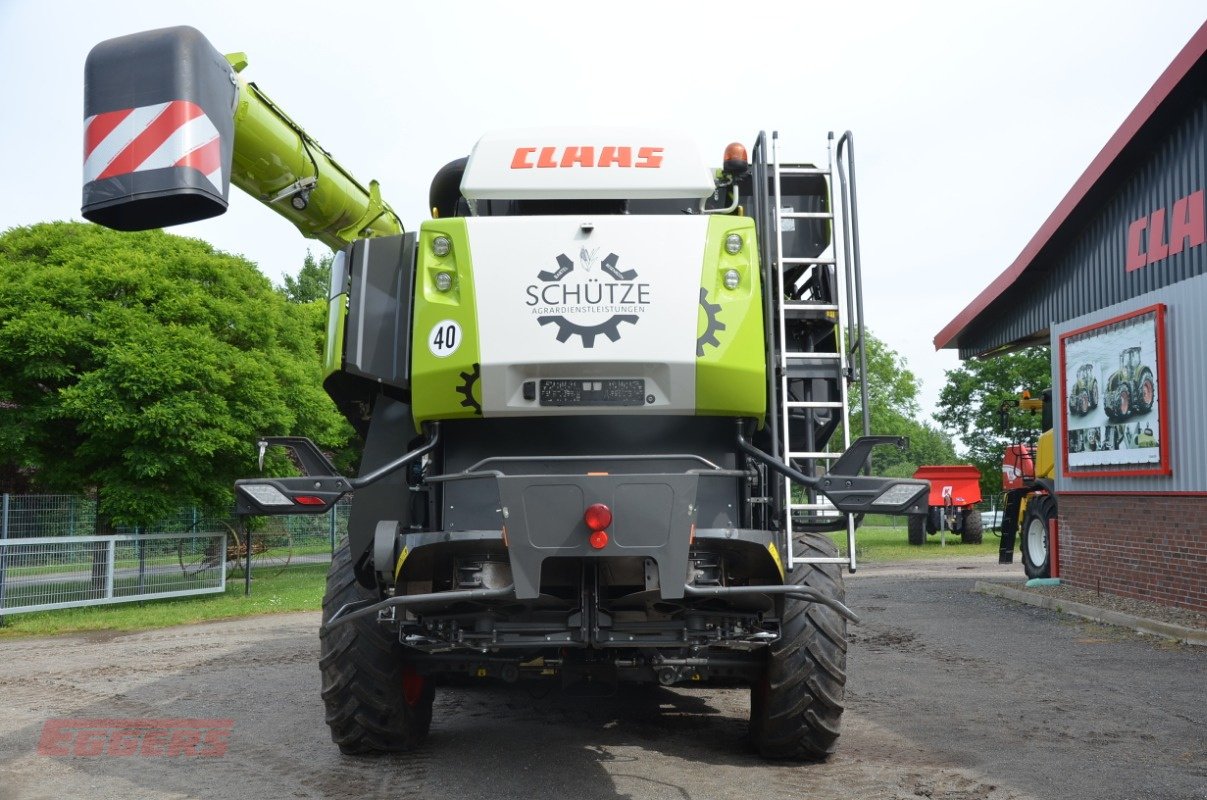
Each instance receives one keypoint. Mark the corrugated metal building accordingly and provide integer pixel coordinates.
(1115, 281)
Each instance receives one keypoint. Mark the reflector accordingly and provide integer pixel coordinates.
(597, 517)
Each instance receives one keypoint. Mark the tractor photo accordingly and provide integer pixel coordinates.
(1083, 394)
(1131, 389)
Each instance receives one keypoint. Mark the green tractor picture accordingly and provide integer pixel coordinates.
(1131, 389)
(1083, 395)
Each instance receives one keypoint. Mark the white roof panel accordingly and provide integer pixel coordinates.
(585, 163)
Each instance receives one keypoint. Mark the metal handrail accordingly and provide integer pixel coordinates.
(850, 238)
(761, 213)
(476, 471)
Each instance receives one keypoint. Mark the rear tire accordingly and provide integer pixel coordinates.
(796, 708)
(376, 701)
(1148, 392)
(915, 525)
(972, 532)
(1036, 527)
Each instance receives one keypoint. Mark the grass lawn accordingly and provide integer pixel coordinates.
(881, 543)
(299, 588)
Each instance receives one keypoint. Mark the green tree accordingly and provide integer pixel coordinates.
(312, 282)
(970, 403)
(144, 365)
(893, 410)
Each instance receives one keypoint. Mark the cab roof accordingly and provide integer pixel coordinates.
(586, 164)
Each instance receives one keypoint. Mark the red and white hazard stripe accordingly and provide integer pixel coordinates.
(173, 134)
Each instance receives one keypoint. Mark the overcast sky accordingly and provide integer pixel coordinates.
(972, 120)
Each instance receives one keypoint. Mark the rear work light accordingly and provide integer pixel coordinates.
(266, 494)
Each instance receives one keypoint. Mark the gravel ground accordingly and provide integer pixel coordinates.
(951, 695)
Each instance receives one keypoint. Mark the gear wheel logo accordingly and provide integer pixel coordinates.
(466, 389)
(609, 328)
(566, 296)
(712, 325)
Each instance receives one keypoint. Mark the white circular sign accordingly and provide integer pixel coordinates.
(444, 339)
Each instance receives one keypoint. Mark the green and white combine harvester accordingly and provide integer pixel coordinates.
(603, 394)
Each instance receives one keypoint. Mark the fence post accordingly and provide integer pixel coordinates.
(247, 561)
(3, 551)
(112, 545)
(334, 508)
(142, 560)
(222, 564)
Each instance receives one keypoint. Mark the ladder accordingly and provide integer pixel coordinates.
(818, 333)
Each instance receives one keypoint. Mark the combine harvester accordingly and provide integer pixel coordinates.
(603, 393)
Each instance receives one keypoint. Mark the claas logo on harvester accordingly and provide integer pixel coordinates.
(586, 156)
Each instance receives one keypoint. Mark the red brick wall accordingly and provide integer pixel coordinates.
(1151, 548)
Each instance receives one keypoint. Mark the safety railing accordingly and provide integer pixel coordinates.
(43, 573)
(31, 515)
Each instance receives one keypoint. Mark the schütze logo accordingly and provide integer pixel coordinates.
(587, 302)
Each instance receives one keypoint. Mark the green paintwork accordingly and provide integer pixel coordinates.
(333, 351)
(435, 381)
(730, 379)
(272, 153)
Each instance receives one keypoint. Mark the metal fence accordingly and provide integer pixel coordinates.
(49, 515)
(48, 572)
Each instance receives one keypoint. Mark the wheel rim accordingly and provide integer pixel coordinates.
(1124, 402)
(1037, 541)
(1147, 393)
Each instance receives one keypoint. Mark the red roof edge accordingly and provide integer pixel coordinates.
(1170, 78)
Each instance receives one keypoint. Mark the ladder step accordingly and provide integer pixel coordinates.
(803, 171)
(806, 454)
(822, 370)
(810, 560)
(802, 354)
(802, 260)
(809, 306)
(806, 215)
(813, 403)
(812, 507)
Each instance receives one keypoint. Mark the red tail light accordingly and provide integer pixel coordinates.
(308, 500)
(597, 517)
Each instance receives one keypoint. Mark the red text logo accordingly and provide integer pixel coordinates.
(153, 738)
(586, 156)
(1187, 227)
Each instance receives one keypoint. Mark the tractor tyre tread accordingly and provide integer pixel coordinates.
(363, 668)
(796, 708)
(972, 532)
(1041, 507)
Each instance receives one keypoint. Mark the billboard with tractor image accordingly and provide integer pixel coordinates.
(1112, 382)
